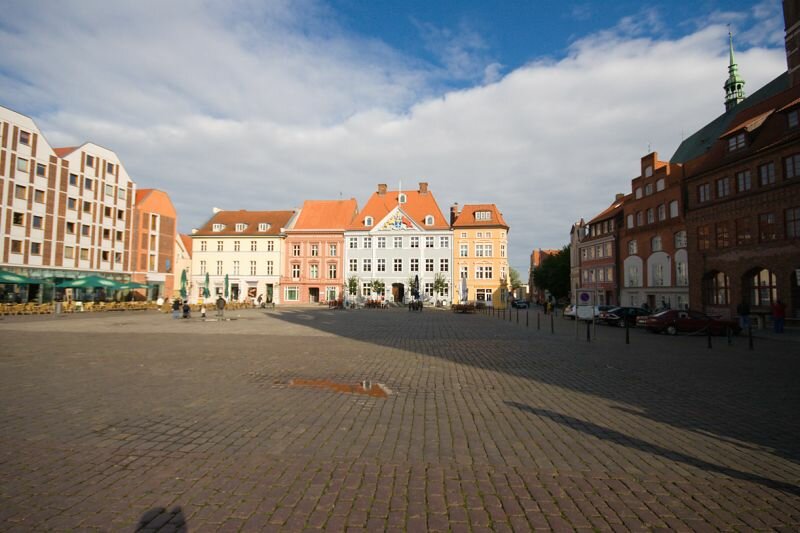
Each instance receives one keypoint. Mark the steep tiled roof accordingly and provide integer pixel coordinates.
(62, 152)
(611, 210)
(229, 219)
(467, 216)
(325, 215)
(187, 242)
(141, 194)
(417, 206)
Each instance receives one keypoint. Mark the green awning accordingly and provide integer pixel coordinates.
(88, 282)
(16, 279)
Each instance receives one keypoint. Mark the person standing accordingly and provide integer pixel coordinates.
(176, 308)
(743, 310)
(778, 315)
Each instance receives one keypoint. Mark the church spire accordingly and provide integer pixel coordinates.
(734, 85)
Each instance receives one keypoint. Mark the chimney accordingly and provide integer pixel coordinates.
(381, 189)
(423, 187)
(454, 212)
(619, 196)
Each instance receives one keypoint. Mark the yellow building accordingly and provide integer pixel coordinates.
(480, 253)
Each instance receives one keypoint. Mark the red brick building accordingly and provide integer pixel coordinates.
(599, 253)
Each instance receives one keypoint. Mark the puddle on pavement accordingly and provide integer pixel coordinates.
(365, 388)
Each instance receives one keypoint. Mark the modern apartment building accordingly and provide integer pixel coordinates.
(245, 246)
(153, 247)
(400, 237)
(313, 270)
(480, 236)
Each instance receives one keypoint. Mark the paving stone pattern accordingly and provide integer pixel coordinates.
(126, 421)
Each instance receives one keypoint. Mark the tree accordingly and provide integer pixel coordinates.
(553, 274)
(514, 278)
(439, 285)
(378, 286)
(352, 285)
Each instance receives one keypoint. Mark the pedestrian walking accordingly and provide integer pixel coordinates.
(778, 315)
(743, 310)
(186, 310)
(220, 306)
(176, 308)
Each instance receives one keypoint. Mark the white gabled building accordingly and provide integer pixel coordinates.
(400, 235)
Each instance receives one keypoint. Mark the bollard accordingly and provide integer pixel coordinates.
(552, 324)
(517, 315)
(588, 331)
(627, 332)
(527, 320)
(750, 337)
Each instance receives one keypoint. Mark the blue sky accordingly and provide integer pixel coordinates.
(544, 108)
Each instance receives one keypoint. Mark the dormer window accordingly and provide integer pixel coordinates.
(794, 118)
(401, 198)
(240, 226)
(736, 142)
(429, 220)
(263, 226)
(218, 227)
(368, 221)
(483, 215)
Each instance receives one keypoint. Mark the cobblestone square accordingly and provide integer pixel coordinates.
(126, 421)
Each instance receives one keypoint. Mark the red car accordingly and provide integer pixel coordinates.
(673, 321)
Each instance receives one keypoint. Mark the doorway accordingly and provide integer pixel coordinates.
(398, 292)
(313, 295)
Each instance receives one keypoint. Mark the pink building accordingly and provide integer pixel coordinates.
(313, 270)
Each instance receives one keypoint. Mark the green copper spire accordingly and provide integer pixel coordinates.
(734, 85)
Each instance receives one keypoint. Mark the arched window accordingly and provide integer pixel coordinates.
(429, 220)
(717, 287)
(368, 221)
(765, 288)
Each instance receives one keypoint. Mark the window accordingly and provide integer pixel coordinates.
(650, 216)
(638, 192)
(723, 238)
(89, 161)
(398, 242)
(315, 250)
(314, 271)
(120, 214)
(680, 239)
(217, 227)
(428, 290)
(629, 219)
(483, 272)
(429, 220)
(736, 142)
(203, 246)
(704, 237)
(295, 250)
(85, 230)
(660, 184)
(657, 275)
(632, 278)
(483, 295)
(415, 242)
(367, 265)
(20, 192)
(87, 184)
(219, 268)
(463, 250)
(84, 254)
(648, 189)
(478, 250)
(108, 212)
(429, 265)
(237, 245)
(673, 209)
(792, 118)
(270, 246)
(38, 196)
(121, 194)
(464, 271)
(332, 248)
(87, 206)
(401, 198)
(18, 219)
(24, 138)
(381, 242)
(367, 242)
(381, 265)
(16, 247)
(766, 174)
(414, 265)
(428, 242)
(69, 252)
(639, 219)
(41, 170)
(353, 265)
(767, 228)
(480, 235)
(655, 244)
(118, 235)
(109, 168)
(662, 212)
(681, 274)
(366, 288)
(295, 270)
(239, 227)
(503, 250)
(263, 226)
(252, 268)
(219, 245)
(765, 289)
(202, 266)
(718, 289)
(291, 294)
(632, 247)
(236, 268)
(792, 217)
(368, 221)
(270, 268)
(743, 181)
(70, 228)
(444, 265)
(398, 265)
(36, 222)
(444, 242)
(792, 166)
(723, 187)
(22, 164)
(704, 192)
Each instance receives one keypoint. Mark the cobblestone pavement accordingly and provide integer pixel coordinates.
(125, 421)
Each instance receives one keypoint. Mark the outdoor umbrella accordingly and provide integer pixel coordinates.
(133, 285)
(16, 279)
(88, 282)
(226, 286)
(206, 292)
(183, 283)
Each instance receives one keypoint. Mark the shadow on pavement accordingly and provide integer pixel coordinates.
(160, 519)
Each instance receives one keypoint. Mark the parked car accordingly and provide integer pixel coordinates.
(618, 316)
(569, 312)
(673, 321)
(519, 304)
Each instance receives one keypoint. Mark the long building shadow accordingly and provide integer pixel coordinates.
(608, 434)
(731, 394)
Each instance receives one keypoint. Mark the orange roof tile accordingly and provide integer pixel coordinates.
(417, 206)
(467, 216)
(325, 215)
(61, 152)
(229, 219)
(187, 242)
(611, 210)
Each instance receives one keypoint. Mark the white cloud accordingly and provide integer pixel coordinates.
(262, 105)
